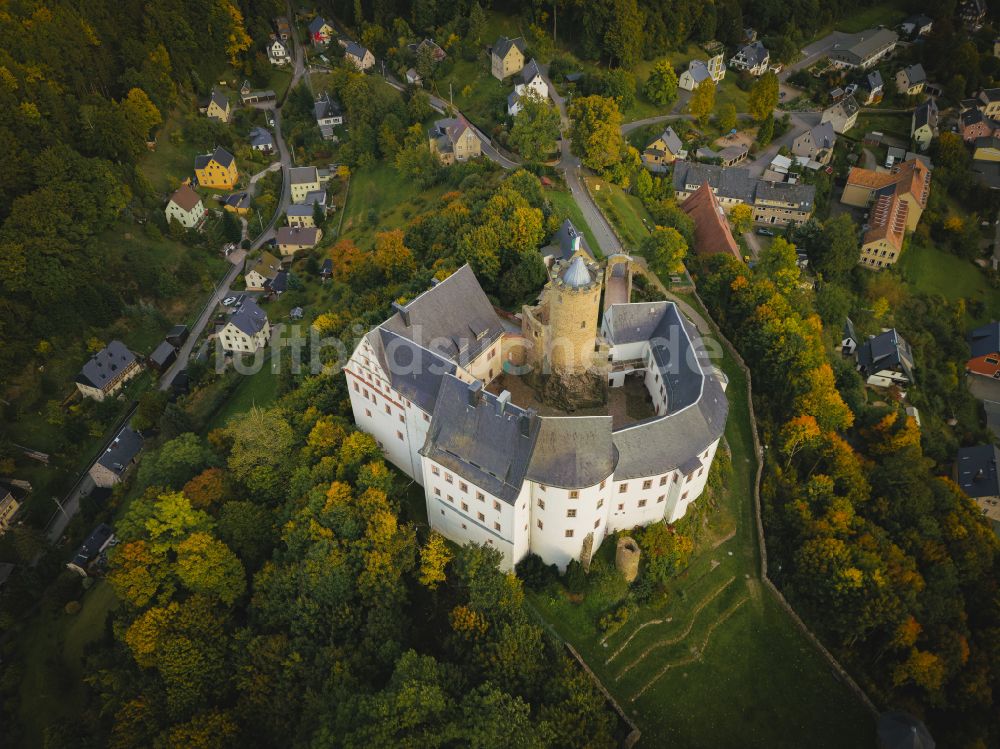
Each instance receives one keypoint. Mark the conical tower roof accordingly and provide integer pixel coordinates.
(576, 275)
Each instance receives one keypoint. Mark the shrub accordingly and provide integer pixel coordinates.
(615, 620)
(72, 608)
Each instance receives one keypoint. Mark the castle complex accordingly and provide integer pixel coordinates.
(546, 437)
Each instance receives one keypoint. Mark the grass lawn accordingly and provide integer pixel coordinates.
(258, 389)
(935, 271)
(718, 664)
(169, 163)
(895, 125)
(480, 96)
(379, 191)
(564, 203)
(52, 687)
(625, 212)
(868, 17)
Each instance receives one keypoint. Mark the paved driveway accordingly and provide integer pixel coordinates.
(987, 390)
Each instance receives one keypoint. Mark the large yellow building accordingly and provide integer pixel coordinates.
(911, 182)
(216, 171)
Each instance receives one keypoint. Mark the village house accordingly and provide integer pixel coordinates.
(753, 58)
(238, 203)
(976, 472)
(217, 170)
(885, 360)
(924, 124)
(91, 550)
(507, 57)
(986, 148)
(874, 88)
(291, 239)
(696, 74)
(413, 77)
(454, 140)
(261, 271)
(303, 180)
(107, 371)
(663, 150)
(185, 207)
(532, 79)
(911, 80)
(988, 102)
(360, 57)
(973, 125)
(247, 330)
(843, 115)
(117, 458)
(9, 506)
(916, 26)
(329, 114)
(282, 28)
(864, 49)
(300, 215)
(261, 140)
(972, 13)
(320, 31)
(783, 203)
(277, 51)
(984, 345)
(727, 157)
(162, 357)
(911, 181)
(816, 144)
(882, 244)
(712, 235)
(437, 54)
(217, 106)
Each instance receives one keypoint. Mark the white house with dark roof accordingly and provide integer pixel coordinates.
(863, 49)
(247, 330)
(499, 473)
(816, 144)
(753, 58)
(886, 359)
(976, 471)
(107, 371)
(924, 124)
(302, 180)
(532, 79)
(261, 140)
(843, 115)
(329, 114)
(278, 51)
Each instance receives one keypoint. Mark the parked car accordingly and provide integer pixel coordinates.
(764, 232)
(229, 301)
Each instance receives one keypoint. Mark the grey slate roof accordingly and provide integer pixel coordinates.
(503, 45)
(356, 50)
(90, 548)
(221, 155)
(299, 209)
(736, 183)
(849, 332)
(697, 403)
(823, 136)
(326, 108)
(220, 99)
(672, 140)
(297, 235)
(249, 318)
(473, 434)
(454, 319)
(985, 340)
(915, 74)
(162, 354)
(316, 24)
(260, 137)
(573, 452)
(563, 241)
(300, 175)
(802, 195)
(866, 43)
(972, 117)
(122, 450)
(105, 365)
(754, 54)
(529, 71)
(925, 114)
(888, 351)
(875, 81)
(977, 470)
(413, 371)
(699, 71)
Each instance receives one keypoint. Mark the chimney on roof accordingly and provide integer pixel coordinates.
(980, 475)
(525, 421)
(475, 392)
(503, 399)
(404, 313)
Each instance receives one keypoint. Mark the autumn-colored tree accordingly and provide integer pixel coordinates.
(822, 400)
(237, 39)
(392, 257)
(741, 218)
(596, 132)
(665, 249)
(137, 574)
(763, 96)
(702, 101)
(206, 565)
(800, 432)
(348, 261)
(207, 489)
(325, 436)
(434, 558)
(661, 86)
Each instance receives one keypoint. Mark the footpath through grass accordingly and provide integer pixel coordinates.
(719, 664)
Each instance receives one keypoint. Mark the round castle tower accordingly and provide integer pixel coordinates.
(574, 298)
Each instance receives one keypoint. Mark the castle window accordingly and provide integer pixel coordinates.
(496, 505)
(368, 413)
(356, 388)
(437, 492)
(660, 498)
(600, 503)
(642, 503)
(388, 410)
(647, 484)
(541, 504)
(571, 513)
(480, 516)
(597, 522)
(465, 507)
(401, 419)
(426, 417)
(463, 486)
(574, 494)
(684, 495)
(449, 478)
(622, 488)
(663, 480)
(542, 487)
(496, 526)
(603, 483)
(569, 533)
(435, 470)
(540, 525)
(621, 507)
(399, 434)
(480, 497)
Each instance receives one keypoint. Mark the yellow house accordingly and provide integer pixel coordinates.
(666, 149)
(218, 106)
(8, 508)
(216, 171)
(987, 149)
(507, 57)
(453, 140)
